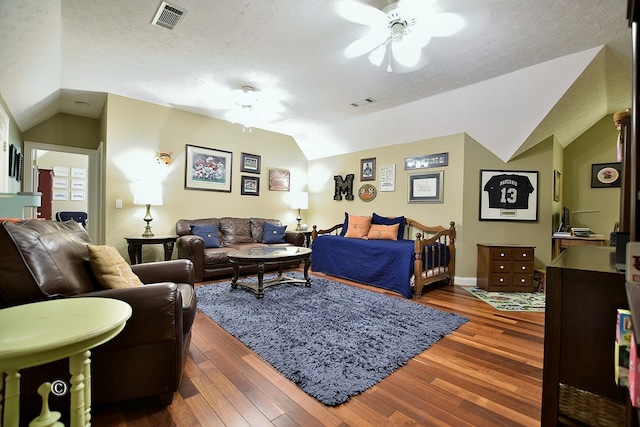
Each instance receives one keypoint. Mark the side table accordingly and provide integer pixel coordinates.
(134, 246)
(42, 332)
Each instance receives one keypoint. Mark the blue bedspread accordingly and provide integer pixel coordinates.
(386, 264)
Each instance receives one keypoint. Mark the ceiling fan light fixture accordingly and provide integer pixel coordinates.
(410, 24)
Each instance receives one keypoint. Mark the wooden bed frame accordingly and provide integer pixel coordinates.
(424, 236)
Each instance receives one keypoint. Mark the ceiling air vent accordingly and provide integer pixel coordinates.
(168, 15)
(362, 102)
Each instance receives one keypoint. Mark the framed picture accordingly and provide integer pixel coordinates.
(426, 187)
(279, 179)
(388, 177)
(557, 185)
(60, 183)
(368, 169)
(250, 163)
(606, 175)
(428, 161)
(508, 195)
(207, 169)
(249, 185)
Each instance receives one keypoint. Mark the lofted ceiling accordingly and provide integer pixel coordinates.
(519, 72)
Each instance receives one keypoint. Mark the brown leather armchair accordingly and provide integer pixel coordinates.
(40, 260)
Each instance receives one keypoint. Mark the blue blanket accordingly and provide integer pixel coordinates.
(387, 264)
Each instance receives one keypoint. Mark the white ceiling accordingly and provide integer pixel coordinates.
(519, 71)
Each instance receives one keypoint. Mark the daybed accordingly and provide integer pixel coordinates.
(402, 265)
(208, 251)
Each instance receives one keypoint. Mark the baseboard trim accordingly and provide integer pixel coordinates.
(465, 281)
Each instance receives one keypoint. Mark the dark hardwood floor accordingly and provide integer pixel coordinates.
(486, 373)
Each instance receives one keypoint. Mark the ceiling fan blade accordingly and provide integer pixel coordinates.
(419, 36)
(375, 38)
(415, 7)
(377, 55)
(406, 54)
(361, 13)
(442, 24)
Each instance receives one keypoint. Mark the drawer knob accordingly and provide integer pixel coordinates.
(524, 255)
(522, 280)
(524, 268)
(501, 280)
(501, 253)
(502, 267)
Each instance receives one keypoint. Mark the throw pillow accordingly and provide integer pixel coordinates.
(383, 232)
(110, 269)
(358, 227)
(273, 233)
(345, 224)
(377, 219)
(209, 234)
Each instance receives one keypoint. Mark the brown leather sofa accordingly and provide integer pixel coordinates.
(233, 234)
(41, 260)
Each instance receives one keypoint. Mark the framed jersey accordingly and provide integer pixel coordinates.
(508, 195)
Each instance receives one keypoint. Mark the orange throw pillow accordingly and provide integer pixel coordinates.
(358, 227)
(383, 232)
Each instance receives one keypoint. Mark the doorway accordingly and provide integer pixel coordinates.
(87, 181)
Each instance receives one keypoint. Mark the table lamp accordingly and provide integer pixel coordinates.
(147, 193)
(299, 201)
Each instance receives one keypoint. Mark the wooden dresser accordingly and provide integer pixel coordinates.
(505, 267)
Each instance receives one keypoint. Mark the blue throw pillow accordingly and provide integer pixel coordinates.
(273, 233)
(345, 226)
(209, 233)
(380, 220)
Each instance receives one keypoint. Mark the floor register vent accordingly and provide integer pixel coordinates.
(168, 15)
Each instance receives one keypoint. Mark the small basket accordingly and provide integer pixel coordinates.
(590, 408)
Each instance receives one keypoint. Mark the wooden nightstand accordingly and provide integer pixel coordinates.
(505, 267)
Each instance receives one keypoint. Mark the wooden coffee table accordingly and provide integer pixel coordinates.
(262, 256)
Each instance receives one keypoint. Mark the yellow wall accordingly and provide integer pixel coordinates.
(538, 233)
(135, 130)
(597, 145)
(461, 194)
(67, 130)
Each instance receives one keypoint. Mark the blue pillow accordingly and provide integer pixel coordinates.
(345, 226)
(273, 233)
(380, 220)
(209, 233)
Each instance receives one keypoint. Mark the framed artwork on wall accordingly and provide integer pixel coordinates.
(249, 185)
(207, 169)
(508, 195)
(606, 175)
(388, 177)
(279, 179)
(557, 185)
(368, 169)
(250, 163)
(427, 161)
(426, 187)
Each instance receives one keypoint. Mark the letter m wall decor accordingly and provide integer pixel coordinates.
(343, 186)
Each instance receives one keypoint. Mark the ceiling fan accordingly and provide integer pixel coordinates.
(397, 32)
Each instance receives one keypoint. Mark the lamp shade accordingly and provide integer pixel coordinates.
(300, 200)
(147, 193)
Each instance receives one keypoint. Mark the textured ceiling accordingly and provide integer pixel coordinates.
(527, 69)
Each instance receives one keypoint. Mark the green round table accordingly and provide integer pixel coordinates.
(42, 332)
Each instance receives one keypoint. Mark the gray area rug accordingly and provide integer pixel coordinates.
(333, 340)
